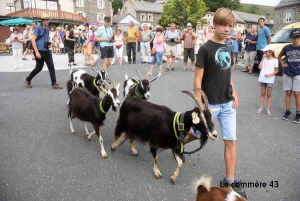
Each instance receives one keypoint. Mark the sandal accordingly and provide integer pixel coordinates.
(86, 64)
(74, 64)
(269, 113)
(259, 111)
(93, 64)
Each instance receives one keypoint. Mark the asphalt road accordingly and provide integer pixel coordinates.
(41, 160)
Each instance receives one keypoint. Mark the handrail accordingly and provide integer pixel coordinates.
(54, 14)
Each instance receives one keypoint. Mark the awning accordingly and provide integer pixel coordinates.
(17, 21)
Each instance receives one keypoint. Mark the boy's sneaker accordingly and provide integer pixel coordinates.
(297, 118)
(236, 186)
(27, 83)
(57, 86)
(287, 115)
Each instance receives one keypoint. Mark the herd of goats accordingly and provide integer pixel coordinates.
(90, 98)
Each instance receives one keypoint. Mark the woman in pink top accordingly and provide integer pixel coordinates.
(158, 44)
(208, 33)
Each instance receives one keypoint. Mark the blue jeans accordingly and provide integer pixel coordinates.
(157, 58)
(227, 119)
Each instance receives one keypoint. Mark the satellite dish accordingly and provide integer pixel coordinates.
(11, 29)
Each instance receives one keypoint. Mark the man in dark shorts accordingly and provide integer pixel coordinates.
(27, 35)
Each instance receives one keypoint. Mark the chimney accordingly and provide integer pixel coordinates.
(268, 17)
(119, 10)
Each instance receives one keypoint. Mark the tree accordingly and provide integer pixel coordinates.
(182, 12)
(214, 5)
(116, 4)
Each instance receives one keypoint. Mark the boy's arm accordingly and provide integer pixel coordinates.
(234, 95)
(283, 64)
(198, 81)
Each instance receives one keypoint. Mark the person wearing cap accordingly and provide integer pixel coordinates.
(119, 45)
(268, 69)
(146, 38)
(131, 38)
(291, 74)
(263, 38)
(17, 39)
(104, 35)
(189, 41)
(42, 53)
(172, 38)
(88, 46)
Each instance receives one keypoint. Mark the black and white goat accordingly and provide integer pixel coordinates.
(137, 87)
(159, 126)
(89, 108)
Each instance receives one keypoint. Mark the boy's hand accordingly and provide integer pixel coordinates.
(284, 65)
(235, 101)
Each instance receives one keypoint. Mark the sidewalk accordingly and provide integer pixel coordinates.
(60, 62)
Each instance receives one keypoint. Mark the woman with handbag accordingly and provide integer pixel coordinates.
(69, 45)
(157, 51)
(118, 45)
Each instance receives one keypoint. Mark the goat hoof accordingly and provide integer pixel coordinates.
(73, 132)
(173, 179)
(158, 175)
(87, 134)
(104, 156)
(113, 148)
(135, 153)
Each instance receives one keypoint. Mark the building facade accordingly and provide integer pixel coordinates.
(286, 12)
(93, 10)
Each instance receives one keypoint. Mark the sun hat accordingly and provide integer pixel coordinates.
(45, 16)
(189, 25)
(269, 47)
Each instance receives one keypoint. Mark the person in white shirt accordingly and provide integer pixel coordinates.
(269, 68)
(17, 39)
(119, 45)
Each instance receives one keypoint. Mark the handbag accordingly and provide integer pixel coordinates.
(118, 46)
(153, 51)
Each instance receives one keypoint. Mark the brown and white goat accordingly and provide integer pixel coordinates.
(207, 193)
(147, 122)
(137, 87)
(89, 108)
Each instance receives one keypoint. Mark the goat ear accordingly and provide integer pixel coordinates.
(153, 79)
(195, 118)
(118, 86)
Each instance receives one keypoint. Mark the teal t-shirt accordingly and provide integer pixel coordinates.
(104, 32)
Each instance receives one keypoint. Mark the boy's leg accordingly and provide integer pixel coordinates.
(288, 94)
(230, 157)
(297, 97)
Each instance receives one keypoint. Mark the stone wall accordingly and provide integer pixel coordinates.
(153, 22)
(280, 16)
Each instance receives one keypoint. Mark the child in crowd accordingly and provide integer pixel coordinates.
(269, 68)
(291, 76)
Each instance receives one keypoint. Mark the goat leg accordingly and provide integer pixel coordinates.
(103, 153)
(86, 131)
(71, 126)
(156, 171)
(119, 141)
(90, 135)
(176, 173)
(132, 149)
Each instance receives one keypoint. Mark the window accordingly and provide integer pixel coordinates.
(100, 17)
(80, 2)
(81, 13)
(288, 16)
(101, 4)
(143, 17)
(52, 5)
(150, 17)
(26, 4)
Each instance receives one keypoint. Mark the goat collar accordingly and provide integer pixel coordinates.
(180, 128)
(137, 93)
(101, 108)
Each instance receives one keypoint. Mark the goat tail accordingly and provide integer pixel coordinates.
(126, 76)
(69, 86)
(203, 183)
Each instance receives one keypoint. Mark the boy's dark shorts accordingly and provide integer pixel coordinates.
(107, 52)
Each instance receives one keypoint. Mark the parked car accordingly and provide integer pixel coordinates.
(281, 39)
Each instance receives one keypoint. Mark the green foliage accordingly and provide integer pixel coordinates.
(182, 12)
(214, 5)
(117, 4)
(257, 9)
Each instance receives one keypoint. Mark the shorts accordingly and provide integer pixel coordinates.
(291, 83)
(87, 49)
(249, 58)
(188, 53)
(107, 52)
(29, 45)
(227, 119)
(157, 58)
(269, 85)
(171, 50)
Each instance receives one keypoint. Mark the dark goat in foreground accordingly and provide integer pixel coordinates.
(137, 87)
(89, 108)
(207, 193)
(147, 122)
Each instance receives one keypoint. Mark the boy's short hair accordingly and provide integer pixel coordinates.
(263, 19)
(223, 16)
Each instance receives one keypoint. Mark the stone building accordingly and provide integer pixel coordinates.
(286, 12)
(145, 12)
(94, 10)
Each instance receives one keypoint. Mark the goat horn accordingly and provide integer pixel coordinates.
(99, 66)
(106, 84)
(204, 97)
(199, 104)
(147, 74)
(94, 70)
(141, 77)
(114, 83)
(108, 69)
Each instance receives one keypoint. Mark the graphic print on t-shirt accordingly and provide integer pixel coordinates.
(223, 58)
